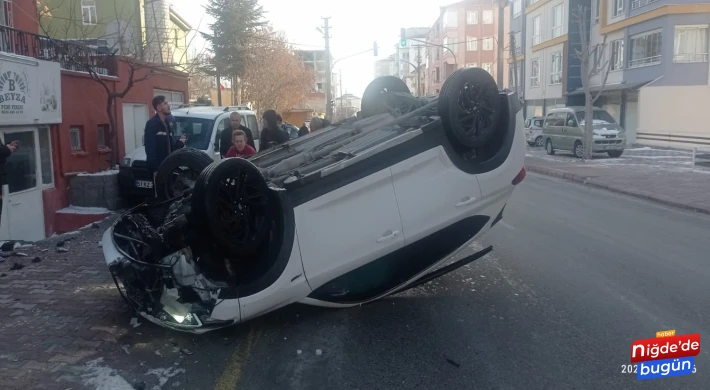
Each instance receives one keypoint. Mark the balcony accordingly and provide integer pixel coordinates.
(70, 56)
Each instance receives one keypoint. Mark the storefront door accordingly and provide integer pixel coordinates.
(23, 211)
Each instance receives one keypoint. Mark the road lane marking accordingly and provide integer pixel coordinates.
(232, 373)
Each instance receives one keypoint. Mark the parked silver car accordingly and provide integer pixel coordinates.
(533, 131)
(564, 130)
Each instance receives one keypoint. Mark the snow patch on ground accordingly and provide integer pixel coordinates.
(164, 374)
(84, 210)
(102, 173)
(102, 377)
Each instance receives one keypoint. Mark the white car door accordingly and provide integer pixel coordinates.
(348, 228)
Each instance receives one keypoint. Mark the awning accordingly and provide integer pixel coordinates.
(624, 86)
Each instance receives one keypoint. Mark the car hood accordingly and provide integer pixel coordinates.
(604, 129)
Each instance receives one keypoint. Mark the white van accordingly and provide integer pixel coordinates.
(202, 124)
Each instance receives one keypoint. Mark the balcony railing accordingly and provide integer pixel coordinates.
(70, 56)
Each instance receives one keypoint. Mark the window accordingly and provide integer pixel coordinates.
(518, 43)
(472, 65)
(488, 17)
(617, 54)
(640, 3)
(75, 138)
(557, 20)
(450, 18)
(536, 35)
(451, 44)
(690, 44)
(438, 75)
(471, 44)
(6, 13)
(487, 66)
(175, 99)
(534, 73)
(45, 155)
(618, 7)
(487, 43)
(516, 8)
(198, 131)
(88, 11)
(556, 68)
(437, 53)
(101, 133)
(645, 50)
(472, 17)
(596, 10)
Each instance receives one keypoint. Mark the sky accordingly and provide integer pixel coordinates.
(355, 25)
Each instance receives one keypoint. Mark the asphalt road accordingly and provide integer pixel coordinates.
(576, 275)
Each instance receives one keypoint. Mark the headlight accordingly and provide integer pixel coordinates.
(126, 162)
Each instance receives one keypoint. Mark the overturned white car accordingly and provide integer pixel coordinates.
(363, 209)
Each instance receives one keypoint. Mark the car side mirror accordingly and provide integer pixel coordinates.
(572, 123)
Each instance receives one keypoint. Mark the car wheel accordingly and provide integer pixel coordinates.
(538, 141)
(179, 171)
(374, 99)
(615, 153)
(469, 107)
(531, 143)
(233, 203)
(548, 147)
(578, 149)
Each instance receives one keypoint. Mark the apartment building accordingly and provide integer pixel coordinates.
(516, 60)
(468, 32)
(386, 66)
(316, 60)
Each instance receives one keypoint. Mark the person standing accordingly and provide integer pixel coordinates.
(316, 123)
(303, 130)
(225, 138)
(272, 134)
(5, 152)
(158, 135)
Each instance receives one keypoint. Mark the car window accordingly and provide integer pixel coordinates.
(252, 125)
(538, 122)
(601, 117)
(198, 131)
(570, 117)
(527, 123)
(550, 119)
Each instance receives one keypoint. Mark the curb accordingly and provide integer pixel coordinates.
(560, 174)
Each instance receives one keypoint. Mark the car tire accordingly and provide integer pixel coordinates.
(531, 143)
(374, 101)
(549, 148)
(179, 171)
(538, 141)
(469, 107)
(578, 150)
(238, 218)
(615, 153)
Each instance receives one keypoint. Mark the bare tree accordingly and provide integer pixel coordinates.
(81, 53)
(200, 82)
(592, 64)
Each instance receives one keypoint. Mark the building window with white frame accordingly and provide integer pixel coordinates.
(690, 44)
(88, 12)
(557, 20)
(472, 17)
(487, 17)
(517, 8)
(450, 18)
(645, 49)
(556, 68)
(75, 138)
(640, 3)
(596, 10)
(536, 31)
(487, 66)
(618, 9)
(534, 73)
(472, 65)
(518, 43)
(6, 13)
(617, 54)
(471, 44)
(451, 44)
(488, 43)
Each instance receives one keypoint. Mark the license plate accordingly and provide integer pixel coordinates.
(144, 184)
(609, 147)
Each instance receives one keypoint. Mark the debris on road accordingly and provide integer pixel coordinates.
(186, 351)
(135, 323)
(104, 378)
(16, 266)
(36, 260)
(20, 254)
(453, 363)
(318, 352)
(298, 351)
(62, 250)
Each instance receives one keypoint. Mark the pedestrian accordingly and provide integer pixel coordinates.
(303, 130)
(272, 134)
(316, 123)
(5, 151)
(290, 129)
(225, 139)
(158, 135)
(240, 147)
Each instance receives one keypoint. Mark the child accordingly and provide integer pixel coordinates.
(240, 148)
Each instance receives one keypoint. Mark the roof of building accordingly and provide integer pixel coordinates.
(179, 20)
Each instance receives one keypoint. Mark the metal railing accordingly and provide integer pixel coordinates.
(690, 57)
(70, 56)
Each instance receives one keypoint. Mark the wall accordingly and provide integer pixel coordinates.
(679, 110)
(24, 16)
(544, 11)
(545, 90)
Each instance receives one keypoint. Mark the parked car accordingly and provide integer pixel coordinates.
(340, 217)
(202, 124)
(564, 130)
(533, 131)
(292, 130)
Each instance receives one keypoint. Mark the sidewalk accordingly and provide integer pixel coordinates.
(63, 322)
(659, 175)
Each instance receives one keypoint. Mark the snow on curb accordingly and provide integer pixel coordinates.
(103, 377)
(102, 173)
(84, 210)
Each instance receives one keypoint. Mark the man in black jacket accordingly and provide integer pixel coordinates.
(5, 152)
(159, 141)
(225, 139)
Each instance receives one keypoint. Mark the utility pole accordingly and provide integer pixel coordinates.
(328, 72)
(419, 66)
(397, 62)
(501, 42)
(340, 81)
(515, 62)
